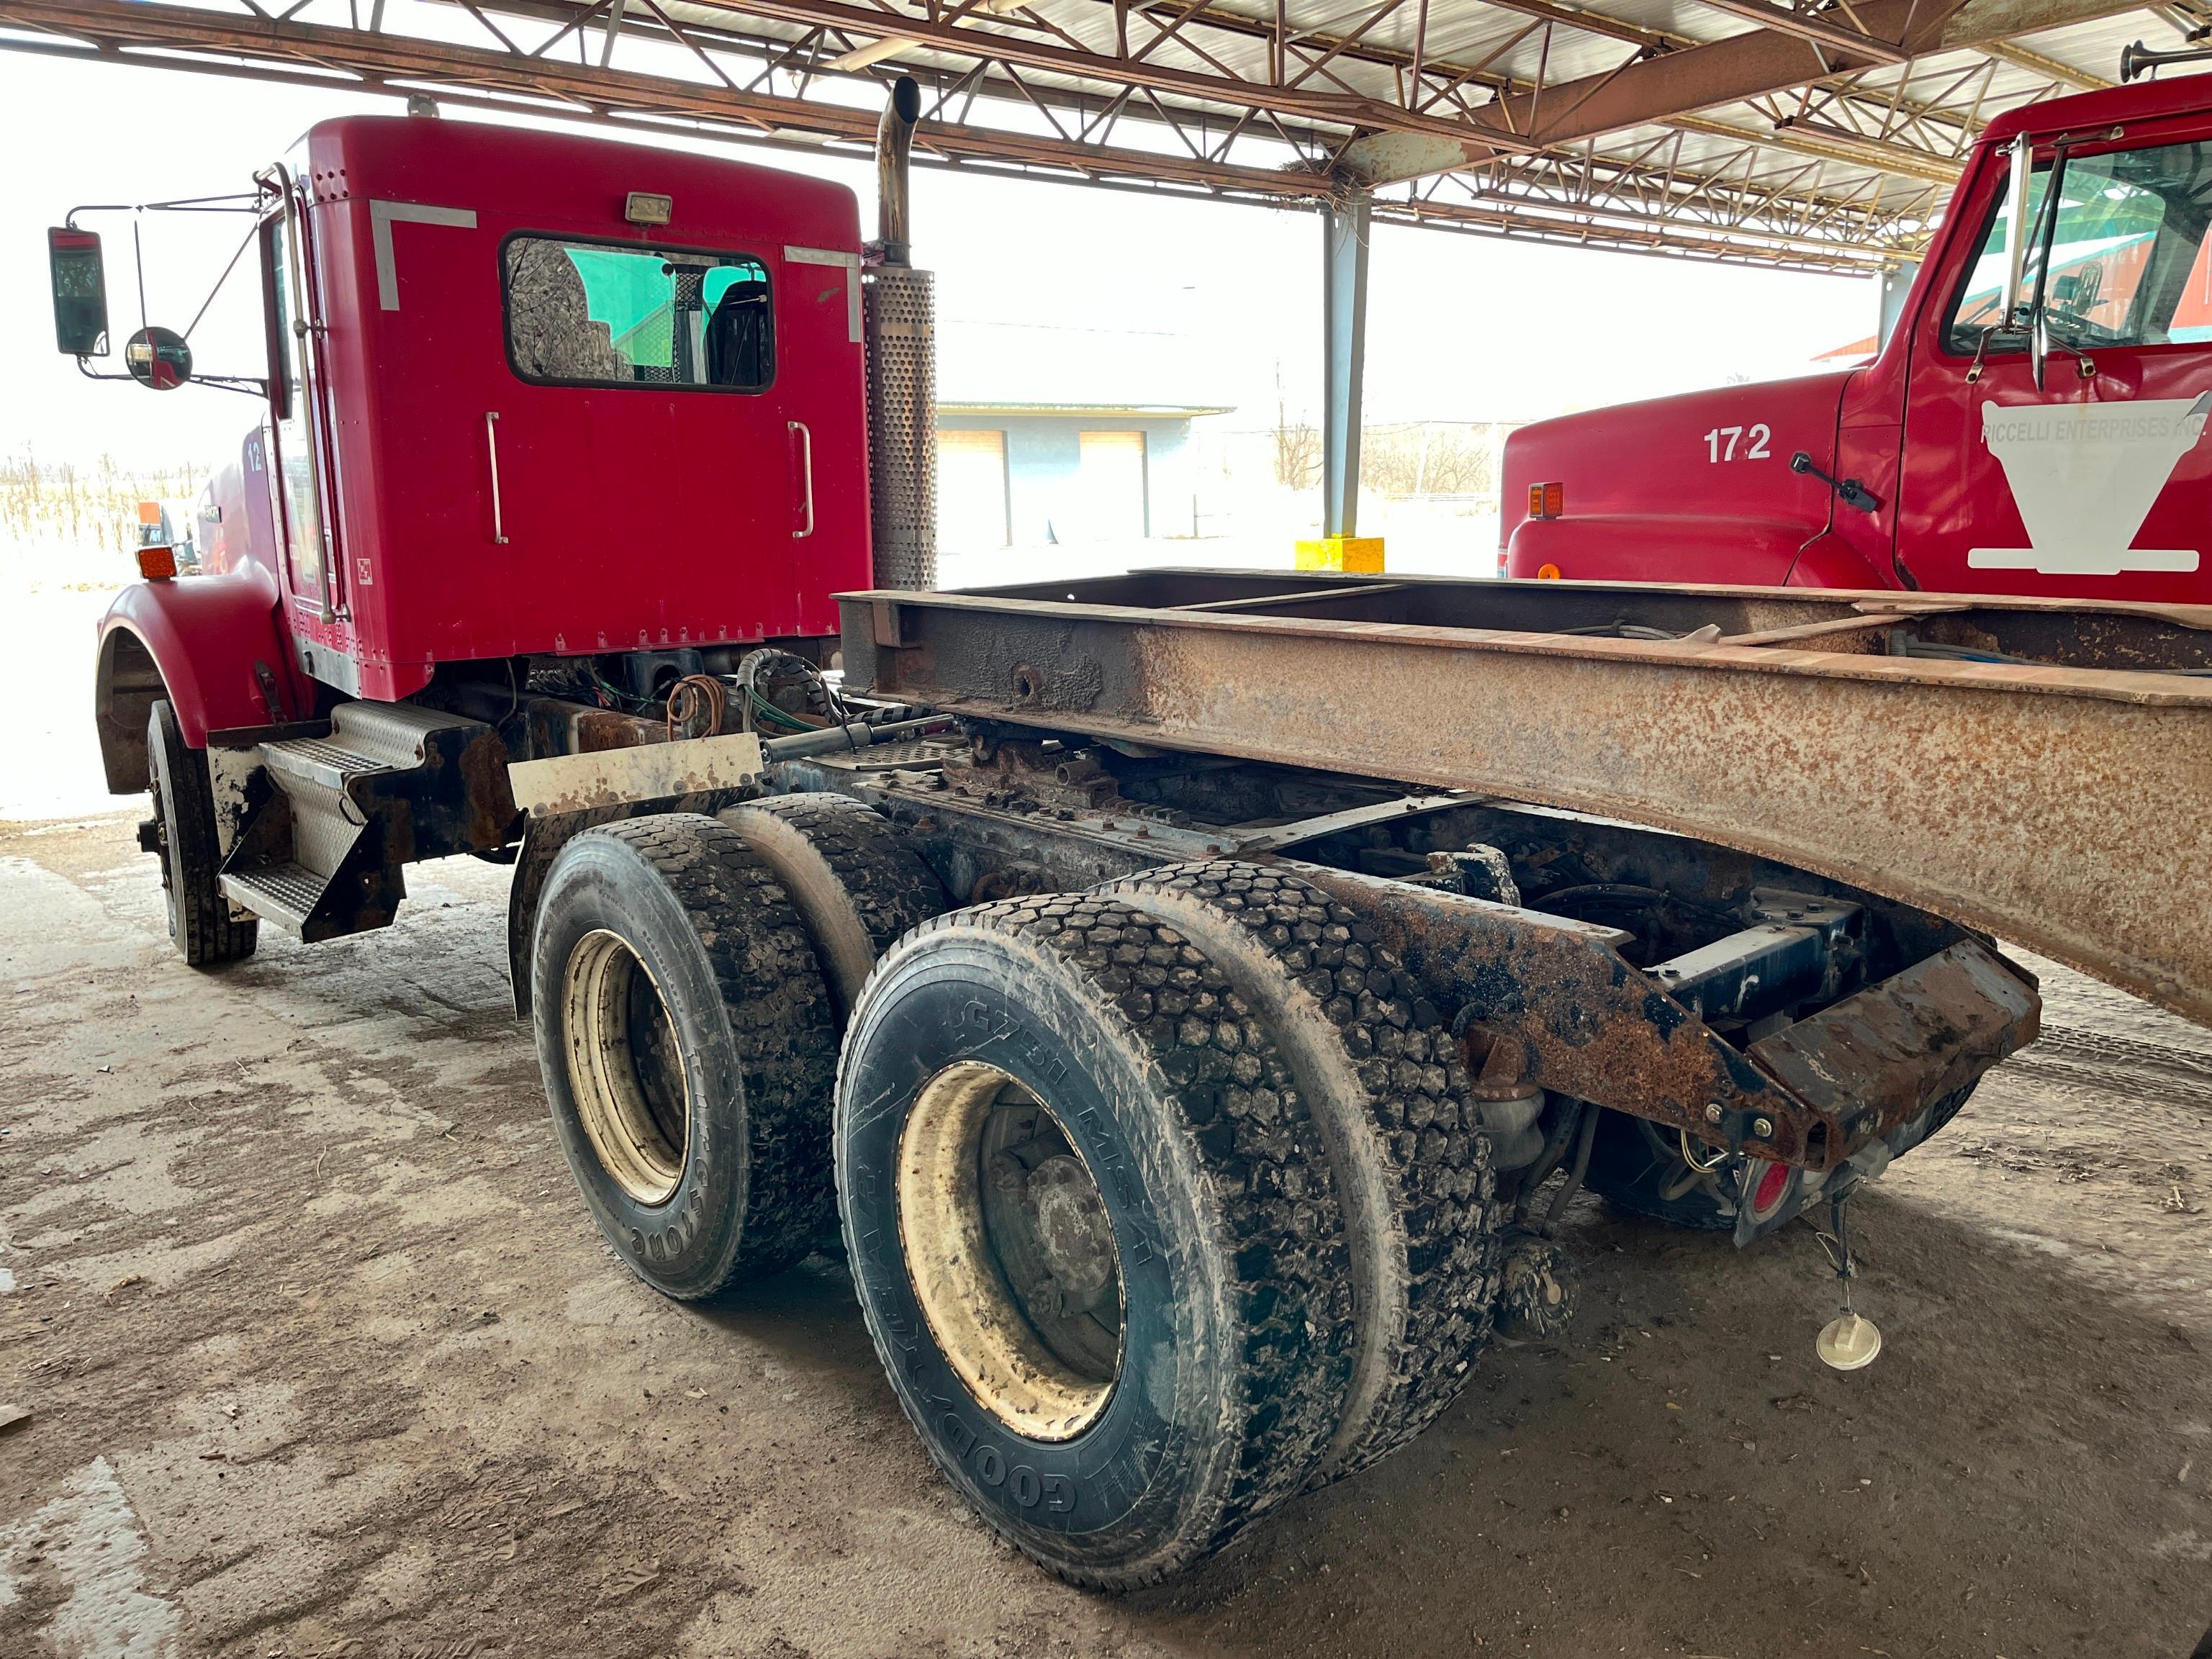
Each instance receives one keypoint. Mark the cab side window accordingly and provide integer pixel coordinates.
(589, 313)
(2129, 261)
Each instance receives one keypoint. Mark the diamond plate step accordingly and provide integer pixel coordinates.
(286, 894)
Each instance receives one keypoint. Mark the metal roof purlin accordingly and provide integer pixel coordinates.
(1796, 139)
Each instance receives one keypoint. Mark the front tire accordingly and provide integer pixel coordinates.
(200, 921)
(1094, 1232)
(688, 1049)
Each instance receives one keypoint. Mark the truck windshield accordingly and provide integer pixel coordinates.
(589, 313)
(2129, 262)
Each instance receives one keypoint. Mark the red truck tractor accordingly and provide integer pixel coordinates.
(1188, 1000)
(2031, 425)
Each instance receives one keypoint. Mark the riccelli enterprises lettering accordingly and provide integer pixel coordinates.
(2077, 424)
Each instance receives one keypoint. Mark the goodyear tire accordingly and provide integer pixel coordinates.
(1094, 1232)
(688, 1049)
(200, 921)
(1383, 1080)
(856, 883)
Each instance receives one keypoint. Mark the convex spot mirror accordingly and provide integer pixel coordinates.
(158, 357)
(80, 285)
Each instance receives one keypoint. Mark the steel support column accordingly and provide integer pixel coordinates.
(1344, 359)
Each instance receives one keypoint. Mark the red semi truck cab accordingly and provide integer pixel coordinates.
(555, 428)
(529, 393)
(1949, 463)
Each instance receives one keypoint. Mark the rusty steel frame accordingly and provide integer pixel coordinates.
(1524, 163)
(2063, 804)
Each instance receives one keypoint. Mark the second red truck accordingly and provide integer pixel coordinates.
(2031, 426)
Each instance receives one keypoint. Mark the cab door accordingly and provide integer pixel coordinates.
(820, 395)
(2097, 485)
(301, 498)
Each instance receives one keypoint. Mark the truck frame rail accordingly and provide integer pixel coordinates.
(2037, 769)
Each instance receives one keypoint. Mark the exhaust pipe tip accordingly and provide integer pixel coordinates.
(894, 150)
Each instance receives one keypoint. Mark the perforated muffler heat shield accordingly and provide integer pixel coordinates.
(902, 336)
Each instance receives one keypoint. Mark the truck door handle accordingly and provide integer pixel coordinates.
(491, 446)
(807, 470)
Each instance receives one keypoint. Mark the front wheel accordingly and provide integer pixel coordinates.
(1094, 1232)
(200, 925)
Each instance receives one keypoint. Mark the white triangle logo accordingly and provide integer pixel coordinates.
(2084, 476)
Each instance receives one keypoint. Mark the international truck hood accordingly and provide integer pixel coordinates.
(1695, 488)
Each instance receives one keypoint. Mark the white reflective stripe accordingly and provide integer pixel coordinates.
(382, 215)
(824, 256)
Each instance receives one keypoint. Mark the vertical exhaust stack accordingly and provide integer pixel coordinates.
(901, 317)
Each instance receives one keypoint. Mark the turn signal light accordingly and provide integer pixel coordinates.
(1546, 500)
(157, 564)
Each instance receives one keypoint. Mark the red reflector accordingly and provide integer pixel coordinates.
(1772, 1187)
(157, 563)
(1546, 500)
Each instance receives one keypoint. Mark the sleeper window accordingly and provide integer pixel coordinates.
(592, 313)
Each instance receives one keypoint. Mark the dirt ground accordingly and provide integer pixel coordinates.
(322, 1355)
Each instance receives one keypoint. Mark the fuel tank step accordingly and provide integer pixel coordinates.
(340, 813)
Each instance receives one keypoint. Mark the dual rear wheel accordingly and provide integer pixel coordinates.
(682, 974)
(1162, 1202)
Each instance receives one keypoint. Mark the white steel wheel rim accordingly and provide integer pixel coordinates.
(639, 1130)
(988, 1271)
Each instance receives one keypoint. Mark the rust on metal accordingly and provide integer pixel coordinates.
(562, 784)
(490, 802)
(1875, 1060)
(1588, 1023)
(2059, 800)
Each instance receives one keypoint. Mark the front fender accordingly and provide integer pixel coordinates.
(211, 645)
(1641, 548)
(1829, 560)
